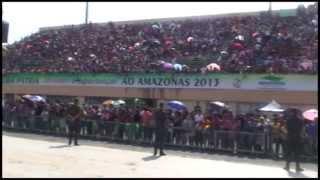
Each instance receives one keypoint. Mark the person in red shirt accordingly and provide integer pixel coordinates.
(226, 126)
(146, 116)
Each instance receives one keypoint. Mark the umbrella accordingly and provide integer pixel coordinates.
(34, 98)
(108, 102)
(27, 96)
(189, 39)
(177, 67)
(155, 26)
(161, 62)
(218, 103)
(120, 101)
(213, 66)
(239, 37)
(37, 99)
(224, 52)
(273, 106)
(137, 44)
(255, 34)
(70, 58)
(168, 65)
(237, 46)
(156, 41)
(311, 114)
(176, 105)
(306, 64)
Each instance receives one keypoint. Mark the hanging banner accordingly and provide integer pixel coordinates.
(212, 81)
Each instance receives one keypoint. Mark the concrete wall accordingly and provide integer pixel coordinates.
(188, 95)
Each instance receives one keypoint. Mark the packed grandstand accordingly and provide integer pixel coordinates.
(261, 43)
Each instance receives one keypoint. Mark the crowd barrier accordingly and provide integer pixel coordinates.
(256, 144)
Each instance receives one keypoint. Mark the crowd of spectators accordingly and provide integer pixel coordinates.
(250, 43)
(184, 128)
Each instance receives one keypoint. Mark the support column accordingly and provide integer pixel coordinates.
(81, 101)
(16, 97)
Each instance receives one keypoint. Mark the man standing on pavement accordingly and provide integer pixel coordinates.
(294, 137)
(74, 113)
(160, 129)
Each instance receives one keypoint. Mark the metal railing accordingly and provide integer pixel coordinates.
(258, 144)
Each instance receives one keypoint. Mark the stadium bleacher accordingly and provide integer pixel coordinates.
(251, 43)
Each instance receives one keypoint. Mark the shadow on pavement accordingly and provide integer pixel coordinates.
(60, 146)
(150, 158)
(297, 175)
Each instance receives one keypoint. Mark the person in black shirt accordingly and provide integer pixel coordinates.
(160, 128)
(39, 108)
(74, 122)
(137, 117)
(294, 137)
(178, 120)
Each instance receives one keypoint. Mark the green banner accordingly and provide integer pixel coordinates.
(294, 82)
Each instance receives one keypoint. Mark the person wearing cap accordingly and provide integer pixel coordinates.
(74, 114)
(160, 130)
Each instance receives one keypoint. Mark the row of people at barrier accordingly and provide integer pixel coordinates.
(259, 43)
(135, 124)
(201, 138)
(135, 132)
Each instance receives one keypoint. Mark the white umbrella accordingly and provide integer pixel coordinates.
(155, 26)
(177, 67)
(240, 37)
(70, 58)
(37, 99)
(213, 66)
(224, 52)
(306, 64)
(27, 96)
(161, 62)
(310, 114)
(119, 102)
(189, 39)
(273, 106)
(137, 44)
(34, 98)
(218, 103)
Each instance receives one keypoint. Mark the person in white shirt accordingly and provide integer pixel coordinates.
(189, 125)
(198, 118)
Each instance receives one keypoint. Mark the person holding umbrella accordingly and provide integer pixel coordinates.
(316, 132)
(310, 117)
(294, 137)
(160, 129)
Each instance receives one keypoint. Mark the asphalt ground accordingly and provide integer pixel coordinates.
(31, 155)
